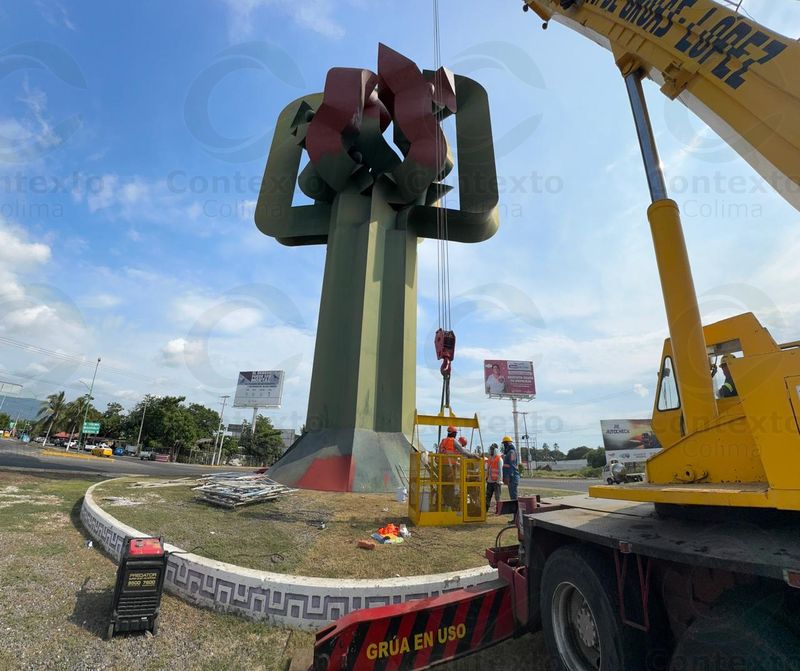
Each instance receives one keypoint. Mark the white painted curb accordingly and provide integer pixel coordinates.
(288, 600)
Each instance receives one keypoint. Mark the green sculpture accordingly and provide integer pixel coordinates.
(370, 206)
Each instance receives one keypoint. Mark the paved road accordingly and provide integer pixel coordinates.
(572, 484)
(14, 454)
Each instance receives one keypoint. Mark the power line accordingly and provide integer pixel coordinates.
(68, 358)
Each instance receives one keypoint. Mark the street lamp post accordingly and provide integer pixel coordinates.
(220, 437)
(141, 426)
(81, 439)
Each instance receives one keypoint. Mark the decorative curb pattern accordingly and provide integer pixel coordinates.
(287, 600)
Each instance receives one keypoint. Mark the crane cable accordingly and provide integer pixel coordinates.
(442, 230)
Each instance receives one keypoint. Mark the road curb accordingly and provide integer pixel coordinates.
(54, 453)
(288, 600)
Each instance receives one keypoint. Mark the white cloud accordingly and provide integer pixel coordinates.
(101, 300)
(315, 15)
(641, 391)
(180, 351)
(55, 13)
(16, 251)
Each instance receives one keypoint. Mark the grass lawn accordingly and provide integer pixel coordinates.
(55, 598)
(286, 535)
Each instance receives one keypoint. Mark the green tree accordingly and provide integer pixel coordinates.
(5, 420)
(133, 420)
(578, 452)
(596, 458)
(113, 420)
(230, 448)
(266, 445)
(73, 414)
(206, 419)
(50, 412)
(179, 429)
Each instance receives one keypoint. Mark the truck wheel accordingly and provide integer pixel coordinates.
(610, 481)
(580, 616)
(746, 630)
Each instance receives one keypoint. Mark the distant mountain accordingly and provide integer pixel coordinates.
(27, 408)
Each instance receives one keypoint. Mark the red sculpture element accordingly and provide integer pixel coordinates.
(345, 141)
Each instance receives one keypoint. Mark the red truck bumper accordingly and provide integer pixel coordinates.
(418, 634)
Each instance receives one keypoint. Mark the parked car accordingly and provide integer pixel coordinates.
(100, 451)
(147, 455)
(119, 451)
(38, 439)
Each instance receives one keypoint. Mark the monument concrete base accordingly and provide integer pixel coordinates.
(344, 460)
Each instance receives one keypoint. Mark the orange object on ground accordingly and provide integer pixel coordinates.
(389, 530)
(366, 545)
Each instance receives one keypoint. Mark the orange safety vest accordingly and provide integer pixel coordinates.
(493, 468)
(448, 446)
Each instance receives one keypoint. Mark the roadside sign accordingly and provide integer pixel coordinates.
(91, 428)
(509, 379)
(629, 440)
(259, 389)
(9, 388)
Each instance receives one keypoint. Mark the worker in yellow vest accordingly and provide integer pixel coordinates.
(494, 475)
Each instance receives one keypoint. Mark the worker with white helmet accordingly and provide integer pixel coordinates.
(494, 475)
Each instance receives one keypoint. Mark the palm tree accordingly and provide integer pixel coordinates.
(74, 413)
(50, 411)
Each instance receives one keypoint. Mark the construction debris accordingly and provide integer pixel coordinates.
(153, 484)
(234, 490)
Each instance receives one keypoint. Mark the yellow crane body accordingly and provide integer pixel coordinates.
(748, 455)
(739, 77)
(743, 449)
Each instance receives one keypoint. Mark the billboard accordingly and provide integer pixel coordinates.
(509, 378)
(9, 388)
(259, 389)
(629, 440)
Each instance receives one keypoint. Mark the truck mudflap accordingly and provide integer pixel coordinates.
(418, 634)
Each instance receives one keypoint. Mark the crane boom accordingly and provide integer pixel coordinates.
(737, 76)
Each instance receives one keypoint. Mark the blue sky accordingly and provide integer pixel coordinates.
(133, 138)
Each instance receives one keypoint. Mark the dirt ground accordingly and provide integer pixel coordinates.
(55, 596)
(305, 532)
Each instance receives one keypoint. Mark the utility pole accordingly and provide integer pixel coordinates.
(81, 439)
(141, 426)
(220, 432)
(516, 420)
(527, 437)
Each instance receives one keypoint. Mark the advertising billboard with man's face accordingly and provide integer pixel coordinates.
(509, 378)
(629, 440)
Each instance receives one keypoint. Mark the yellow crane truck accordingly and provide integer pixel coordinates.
(698, 568)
